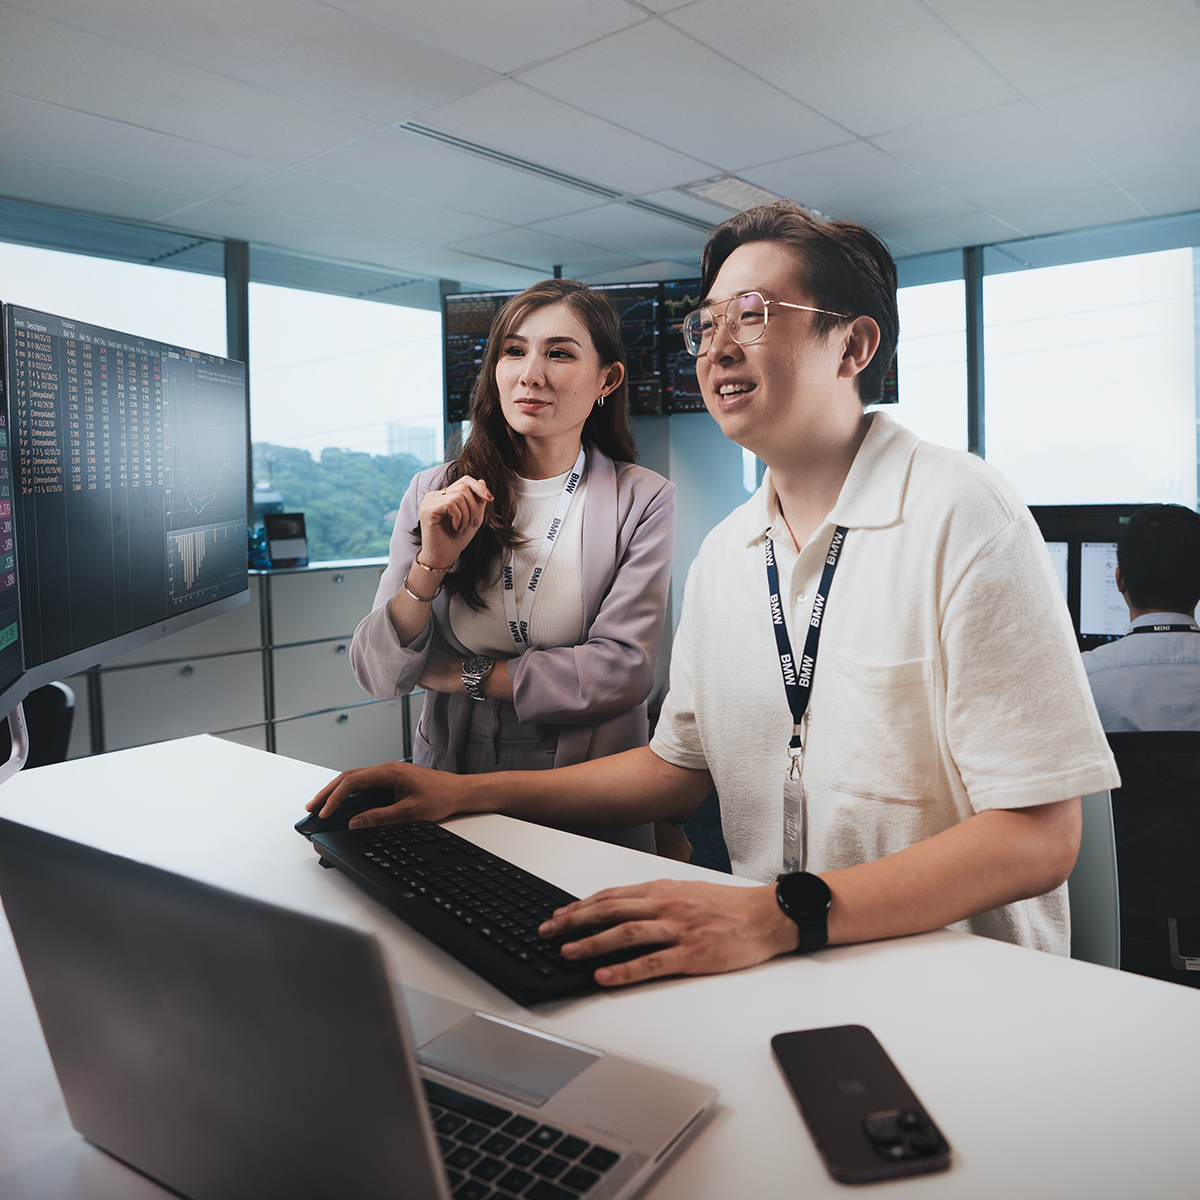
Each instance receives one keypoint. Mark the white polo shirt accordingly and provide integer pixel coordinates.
(948, 679)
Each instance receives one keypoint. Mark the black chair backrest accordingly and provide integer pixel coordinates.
(1156, 823)
(49, 712)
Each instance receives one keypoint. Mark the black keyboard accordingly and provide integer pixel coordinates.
(477, 906)
(492, 1153)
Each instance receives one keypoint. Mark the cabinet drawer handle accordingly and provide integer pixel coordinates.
(341, 649)
(188, 670)
(343, 718)
(339, 578)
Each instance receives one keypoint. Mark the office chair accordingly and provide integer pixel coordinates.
(1092, 888)
(49, 713)
(1156, 820)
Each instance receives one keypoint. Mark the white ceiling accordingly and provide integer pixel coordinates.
(940, 123)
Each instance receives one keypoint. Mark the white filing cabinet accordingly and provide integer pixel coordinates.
(274, 673)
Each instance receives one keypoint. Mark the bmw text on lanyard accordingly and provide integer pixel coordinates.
(797, 682)
(518, 623)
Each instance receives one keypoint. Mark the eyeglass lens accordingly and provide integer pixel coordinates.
(745, 318)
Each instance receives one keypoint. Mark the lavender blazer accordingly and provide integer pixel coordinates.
(594, 693)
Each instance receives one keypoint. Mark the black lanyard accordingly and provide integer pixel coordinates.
(1192, 628)
(798, 683)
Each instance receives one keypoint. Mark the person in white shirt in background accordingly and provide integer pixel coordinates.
(934, 779)
(1150, 679)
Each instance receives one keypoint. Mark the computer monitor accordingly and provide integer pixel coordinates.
(13, 688)
(128, 464)
(1082, 540)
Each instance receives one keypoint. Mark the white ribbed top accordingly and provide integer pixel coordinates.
(558, 612)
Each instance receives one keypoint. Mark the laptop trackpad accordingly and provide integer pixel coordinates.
(517, 1062)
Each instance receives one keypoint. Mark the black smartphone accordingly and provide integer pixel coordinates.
(865, 1119)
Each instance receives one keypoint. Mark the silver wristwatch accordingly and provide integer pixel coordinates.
(474, 672)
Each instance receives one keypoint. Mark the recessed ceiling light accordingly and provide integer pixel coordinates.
(728, 191)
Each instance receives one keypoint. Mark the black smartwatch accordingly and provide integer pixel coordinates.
(806, 898)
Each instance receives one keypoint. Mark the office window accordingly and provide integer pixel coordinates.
(180, 307)
(931, 367)
(1091, 384)
(345, 406)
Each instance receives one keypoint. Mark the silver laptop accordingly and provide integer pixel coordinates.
(230, 1048)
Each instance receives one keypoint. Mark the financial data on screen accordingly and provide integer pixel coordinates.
(129, 468)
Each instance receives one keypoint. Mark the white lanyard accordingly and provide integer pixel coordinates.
(518, 624)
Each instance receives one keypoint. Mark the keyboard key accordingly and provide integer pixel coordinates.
(445, 1144)
(571, 1147)
(551, 1166)
(599, 1158)
(548, 1191)
(472, 1190)
(579, 1179)
(519, 1126)
(473, 1133)
(471, 1106)
(497, 1143)
(514, 1181)
(461, 1157)
(546, 1136)
(455, 1177)
(448, 1123)
(524, 1154)
(488, 1168)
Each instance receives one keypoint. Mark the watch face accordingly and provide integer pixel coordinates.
(804, 895)
(481, 664)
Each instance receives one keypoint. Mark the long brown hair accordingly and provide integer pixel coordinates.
(493, 450)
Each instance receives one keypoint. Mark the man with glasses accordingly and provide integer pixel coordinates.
(934, 777)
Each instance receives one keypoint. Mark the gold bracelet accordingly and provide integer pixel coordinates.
(431, 570)
(420, 599)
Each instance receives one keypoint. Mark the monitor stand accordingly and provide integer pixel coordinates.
(20, 744)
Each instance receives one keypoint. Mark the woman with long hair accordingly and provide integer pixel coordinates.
(527, 581)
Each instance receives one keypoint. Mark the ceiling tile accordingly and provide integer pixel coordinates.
(1180, 193)
(692, 206)
(629, 231)
(540, 251)
(472, 273)
(527, 32)
(1103, 206)
(659, 83)
(85, 191)
(1141, 129)
(407, 164)
(511, 117)
(409, 221)
(870, 65)
(1000, 157)
(973, 229)
(858, 182)
(1041, 47)
(41, 131)
(224, 219)
(301, 49)
(43, 61)
(650, 272)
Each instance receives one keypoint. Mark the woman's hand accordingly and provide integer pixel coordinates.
(450, 517)
(443, 669)
(421, 794)
(688, 928)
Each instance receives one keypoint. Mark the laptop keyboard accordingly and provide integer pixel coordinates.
(474, 904)
(493, 1153)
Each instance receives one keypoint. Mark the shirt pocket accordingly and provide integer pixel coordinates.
(877, 728)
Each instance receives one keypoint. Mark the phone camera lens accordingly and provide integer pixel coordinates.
(911, 1119)
(886, 1133)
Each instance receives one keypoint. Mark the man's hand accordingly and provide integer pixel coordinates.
(421, 794)
(699, 929)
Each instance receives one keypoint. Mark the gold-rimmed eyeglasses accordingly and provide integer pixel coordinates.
(745, 318)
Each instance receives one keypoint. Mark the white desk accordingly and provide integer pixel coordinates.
(1051, 1078)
